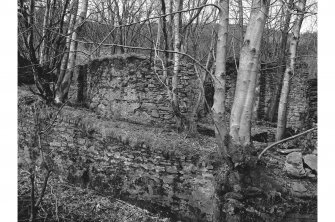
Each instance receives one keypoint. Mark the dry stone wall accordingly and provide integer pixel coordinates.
(298, 103)
(128, 86)
(90, 153)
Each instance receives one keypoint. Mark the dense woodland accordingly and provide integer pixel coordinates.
(55, 37)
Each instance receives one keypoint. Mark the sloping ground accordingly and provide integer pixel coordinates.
(65, 202)
(279, 197)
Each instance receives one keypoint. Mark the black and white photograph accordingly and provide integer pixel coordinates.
(166, 111)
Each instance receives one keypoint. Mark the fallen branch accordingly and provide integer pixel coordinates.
(284, 140)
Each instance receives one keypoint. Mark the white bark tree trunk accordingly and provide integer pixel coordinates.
(240, 21)
(44, 32)
(176, 66)
(240, 120)
(283, 103)
(65, 60)
(63, 90)
(218, 107)
(273, 107)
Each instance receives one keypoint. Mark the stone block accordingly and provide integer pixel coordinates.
(294, 165)
(154, 113)
(311, 161)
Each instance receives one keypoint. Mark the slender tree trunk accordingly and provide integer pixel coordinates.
(176, 66)
(119, 50)
(166, 43)
(257, 94)
(63, 90)
(240, 120)
(171, 27)
(42, 86)
(103, 17)
(44, 32)
(218, 108)
(59, 42)
(273, 107)
(112, 22)
(282, 110)
(240, 21)
(65, 60)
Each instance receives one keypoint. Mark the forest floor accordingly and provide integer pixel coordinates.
(297, 199)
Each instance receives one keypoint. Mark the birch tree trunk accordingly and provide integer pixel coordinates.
(273, 107)
(240, 120)
(166, 43)
(218, 108)
(44, 32)
(65, 60)
(240, 21)
(176, 66)
(63, 89)
(57, 63)
(283, 103)
(171, 27)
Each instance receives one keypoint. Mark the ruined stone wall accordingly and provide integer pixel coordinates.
(298, 104)
(128, 86)
(90, 152)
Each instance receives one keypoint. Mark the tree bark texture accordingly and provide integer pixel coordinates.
(65, 60)
(44, 32)
(273, 107)
(240, 120)
(171, 27)
(166, 43)
(63, 90)
(240, 21)
(42, 86)
(283, 103)
(218, 108)
(176, 66)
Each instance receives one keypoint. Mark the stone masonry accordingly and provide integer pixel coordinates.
(128, 86)
(94, 153)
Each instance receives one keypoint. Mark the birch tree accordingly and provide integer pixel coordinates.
(283, 103)
(45, 24)
(240, 120)
(63, 89)
(174, 102)
(218, 108)
(240, 21)
(235, 147)
(65, 60)
(273, 107)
